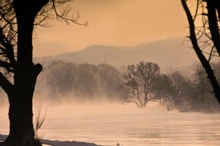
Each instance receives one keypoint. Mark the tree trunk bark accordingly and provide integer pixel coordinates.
(21, 123)
(20, 110)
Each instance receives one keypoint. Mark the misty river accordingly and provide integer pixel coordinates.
(109, 124)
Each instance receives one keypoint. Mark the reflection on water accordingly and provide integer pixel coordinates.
(128, 126)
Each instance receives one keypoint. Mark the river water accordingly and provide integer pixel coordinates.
(110, 124)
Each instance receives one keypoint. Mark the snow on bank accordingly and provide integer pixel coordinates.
(57, 143)
(65, 143)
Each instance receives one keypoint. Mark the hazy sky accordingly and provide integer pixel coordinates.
(113, 22)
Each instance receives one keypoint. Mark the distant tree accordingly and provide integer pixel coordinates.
(83, 81)
(163, 87)
(138, 82)
(181, 90)
(173, 90)
(163, 91)
(111, 80)
(205, 36)
(202, 98)
(88, 82)
(61, 78)
(17, 21)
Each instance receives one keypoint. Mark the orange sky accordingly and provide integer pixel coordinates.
(113, 22)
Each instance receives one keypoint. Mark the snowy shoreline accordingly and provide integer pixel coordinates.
(46, 142)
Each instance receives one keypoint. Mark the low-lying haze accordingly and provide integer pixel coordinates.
(109, 123)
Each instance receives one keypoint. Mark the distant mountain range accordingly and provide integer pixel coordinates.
(170, 53)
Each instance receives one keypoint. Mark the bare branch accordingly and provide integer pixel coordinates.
(7, 66)
(6, 85)
(199, 53)
(210, 54)
(62, 16)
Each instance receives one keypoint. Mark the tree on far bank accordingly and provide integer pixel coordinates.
(17, 21)
(181, 90)
(202, 98)
(138, 83)
(61, 78)
(111, 80)
(174, 91)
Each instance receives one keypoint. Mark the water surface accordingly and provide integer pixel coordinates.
(126, 125)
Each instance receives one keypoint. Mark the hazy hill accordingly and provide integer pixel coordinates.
(168, 53)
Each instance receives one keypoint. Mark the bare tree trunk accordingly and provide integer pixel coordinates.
(212, 6)
(20, 117)
(20, 110)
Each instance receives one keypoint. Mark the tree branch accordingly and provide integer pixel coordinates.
(62, 16)
(8, 48)
(6, 65)
(6, 85)
(201, 57)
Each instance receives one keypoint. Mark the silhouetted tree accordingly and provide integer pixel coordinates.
(111, 79)
(17, 20)
(173, 90)
(88, 80)
(181, 90)
(163, 91)
(83, 81)
(162, 87)
(206, 38)
(139, 80)
(201, 96)
(61, 78)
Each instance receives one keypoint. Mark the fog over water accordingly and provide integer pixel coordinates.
(107, 124)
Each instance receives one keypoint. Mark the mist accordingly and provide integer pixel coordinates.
(110, 123)
(93, 114)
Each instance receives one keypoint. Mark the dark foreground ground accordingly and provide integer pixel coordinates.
(58, 143)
